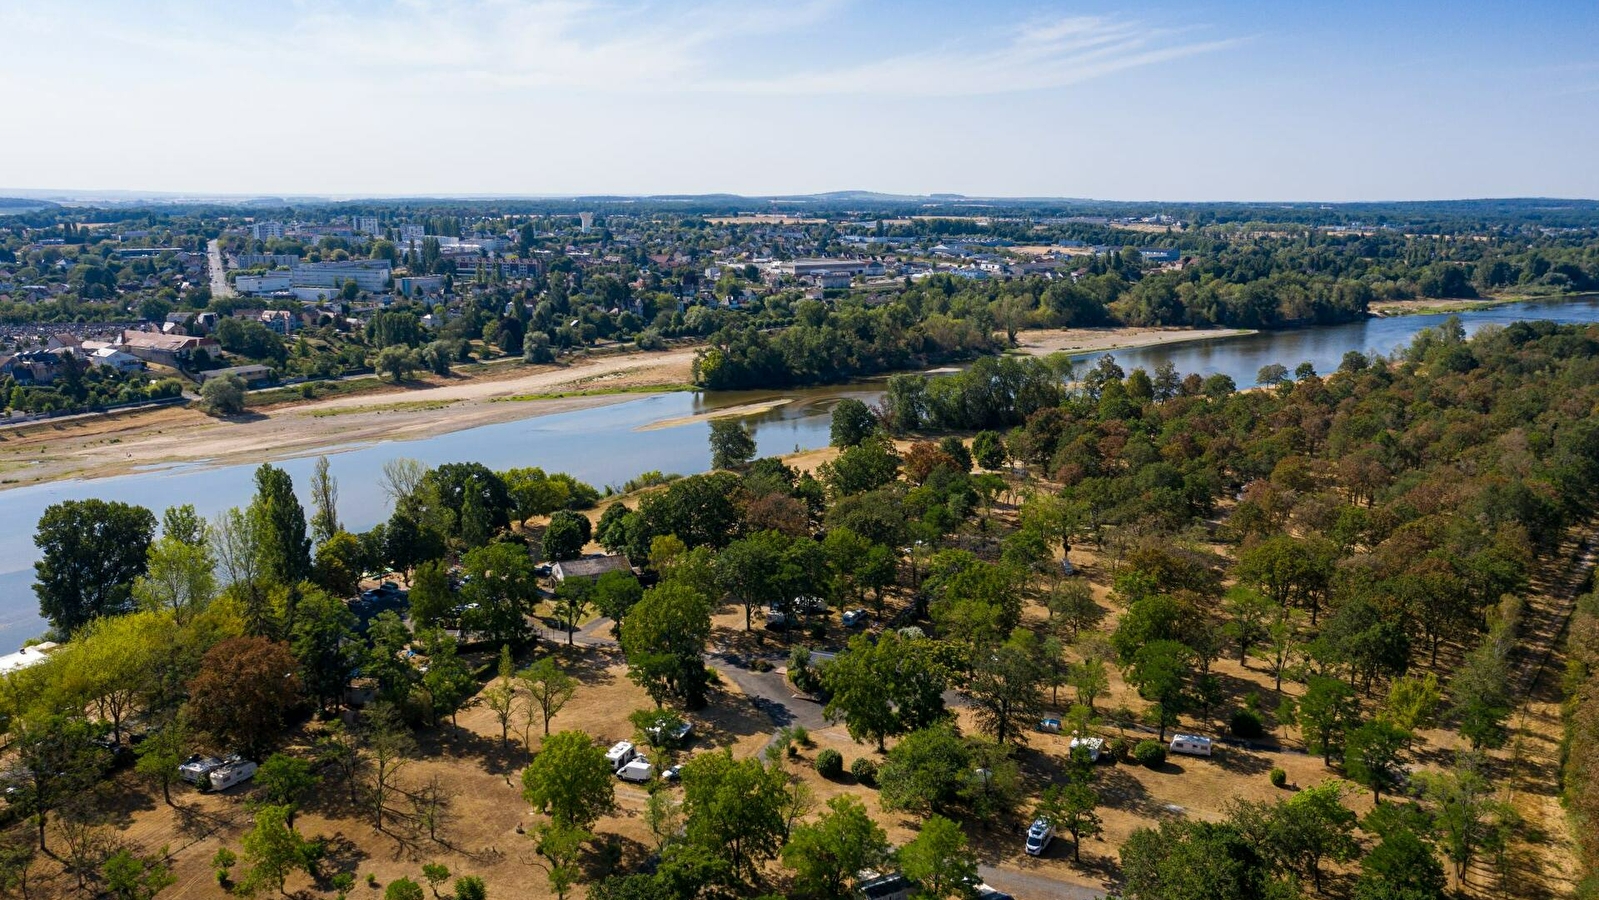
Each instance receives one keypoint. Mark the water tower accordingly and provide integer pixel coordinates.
(587, 220)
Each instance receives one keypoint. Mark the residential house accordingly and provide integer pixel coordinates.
(166, 349)
(590, 567)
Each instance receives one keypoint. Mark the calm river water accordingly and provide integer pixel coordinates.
(606, 446)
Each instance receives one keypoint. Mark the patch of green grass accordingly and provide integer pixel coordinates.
(403, 406)
(295, 393)
(600, 392)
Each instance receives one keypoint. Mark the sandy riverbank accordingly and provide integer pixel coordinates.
(114, 445)
(1097, 340)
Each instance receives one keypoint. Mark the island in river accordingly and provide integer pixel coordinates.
(105, 445)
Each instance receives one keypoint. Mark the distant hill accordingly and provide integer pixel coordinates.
(14, 205)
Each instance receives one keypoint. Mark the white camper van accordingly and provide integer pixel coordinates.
(231, 772)
(1190, 745)
(620, 754)
(637, 771)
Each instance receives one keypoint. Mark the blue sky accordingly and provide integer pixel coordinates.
(1190, 101)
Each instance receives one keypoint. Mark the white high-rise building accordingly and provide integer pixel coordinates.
(367, 224)
(266, 231)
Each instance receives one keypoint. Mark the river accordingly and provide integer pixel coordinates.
(606, 445)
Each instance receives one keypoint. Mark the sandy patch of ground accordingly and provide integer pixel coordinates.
(726, 412)
(111, 445)
(1089, 340)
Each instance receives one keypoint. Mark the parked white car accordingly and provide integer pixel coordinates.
(854, 618)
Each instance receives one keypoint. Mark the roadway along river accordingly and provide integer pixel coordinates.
(605, 446)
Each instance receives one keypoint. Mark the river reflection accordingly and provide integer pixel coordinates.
(611, 444)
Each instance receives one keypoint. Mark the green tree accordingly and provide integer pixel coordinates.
(160, 754)
(1185, 859)
(222, 396)
(448, 680)
(571, 603)
(885, 688)
(504, 587)
(273, 850)
(325, 502)
(403, 889)
(565, 536)
(1374, 755)
(1312, 826)
(616, 593)
(1072, 808)
(1159, 670)
(870, 464)
(285, 781)
(285, 548)
(1005, 687)
(989, 450)
(1412, 702)
(560, 845)
(324, 643)
(852, 423)
(1401, 867)
(470, 887)
(550, 689)
(57, 760)
(570, 780)
(500, 695)
(938, 860)
(339, 562)
(732, 447)
(664, 642)
(91, 552)
(924, 771)
(179, 576)
(827, 854)
(396, 362)
(131, 877)
(1326, 713)
(432, 598)
(734, 810)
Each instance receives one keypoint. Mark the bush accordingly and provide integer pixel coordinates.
(801, 735)
(865, 770)
(1150, 753)
(1246, 723)
(1278, 777)
(829, 763)
(222, 396)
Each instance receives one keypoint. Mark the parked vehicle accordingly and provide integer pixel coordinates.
(1039, 836)
(810, 605)
(637, 771)
(1190, 745)
(231, 772)
(196, 768)
(777, 621)
(1092, 745)
(620, 754)
(676, 735)
(672, 773)
(855, 618)
(1050, 726)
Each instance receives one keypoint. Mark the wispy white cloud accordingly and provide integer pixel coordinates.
(1037, 56)
(634, 46)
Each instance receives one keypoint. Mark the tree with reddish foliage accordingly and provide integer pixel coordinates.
(245, 688)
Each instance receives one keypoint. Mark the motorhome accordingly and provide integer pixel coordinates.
(1190, 745)
(231, 772)
(620, 754)
(1091, 745)
(196, 768)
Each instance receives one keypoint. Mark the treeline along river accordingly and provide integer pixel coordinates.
(609, 444)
